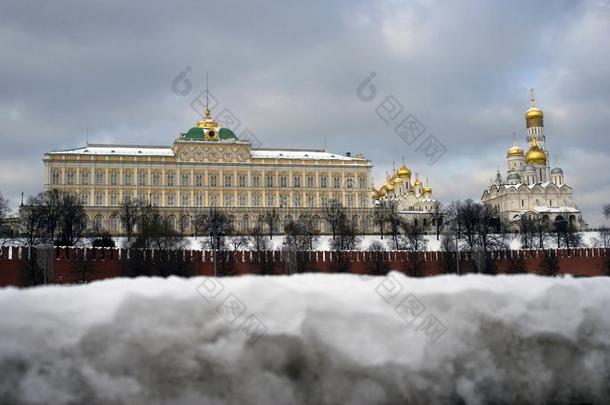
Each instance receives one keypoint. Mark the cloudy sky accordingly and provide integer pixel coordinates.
(289, 71)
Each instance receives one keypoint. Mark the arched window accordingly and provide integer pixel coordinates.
(114, 223)
(98, 223)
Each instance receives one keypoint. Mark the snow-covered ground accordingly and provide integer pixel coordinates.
(433, 244)
(308, 339)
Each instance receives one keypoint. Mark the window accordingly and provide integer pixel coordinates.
(84, 198)
(114, 178)
(99, 178)
(337, 182)
(228, 200)
(362, 182)
(127, 197)
(311, 201)
(349, 182)
(170, 179)
(283, 181)
(324, 200)
(241, 200)
(156, 179)
(99, 199)
(127, 178)
(185, 180)
(84, 178)
(256, 180)
(70, 177)
(323, 181)
(270, 201)
(170, 200)
(297, 181)
(141, 179)
(256, 200)
(297, 201)
(55, 178)
(156, 200)
(269, 181)
(185, 199)
(198, 200)
(283, 200)
(241, 180)
(309, 181)
(114, 223)
(350, 200)
(199, 180)
(228, 180)
(213, 180)
(362, 201)
(114, 199)
(98, 223)
(213, 200)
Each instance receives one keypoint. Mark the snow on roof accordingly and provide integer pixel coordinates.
(297, 154)
(141, 150)
(542, 208)
(130, 150)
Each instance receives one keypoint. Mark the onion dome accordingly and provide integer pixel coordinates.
(404, 172)
(529, 169)
(535, 155)
(389, 186)
(534, 117)
(514, 178)
(208, 130)
(397, 181)
(417, 182)
(514, 150)
(557, 170)
(427, 190)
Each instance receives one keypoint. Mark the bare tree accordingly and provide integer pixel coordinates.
(71, 224)
(261, 245)
(607, 211)
(217, 227)
(380, 217)
(603, 237)
(377, 249)
(128, 213)
(412, 236)
(4, 209)
(334, 213)
(271, 219)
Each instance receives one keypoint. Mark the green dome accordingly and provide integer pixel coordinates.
(194, 133)
(226, 133)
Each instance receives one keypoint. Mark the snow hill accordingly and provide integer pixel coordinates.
(308, 339)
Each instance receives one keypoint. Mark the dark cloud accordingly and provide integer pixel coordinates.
(289, 71)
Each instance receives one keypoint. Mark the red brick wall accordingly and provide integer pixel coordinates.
(77, 265)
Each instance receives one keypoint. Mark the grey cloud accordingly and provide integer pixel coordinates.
(289, 70)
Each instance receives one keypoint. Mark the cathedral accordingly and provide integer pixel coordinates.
(412, 199)
(531, 187)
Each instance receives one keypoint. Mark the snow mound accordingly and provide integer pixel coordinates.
(308, 339)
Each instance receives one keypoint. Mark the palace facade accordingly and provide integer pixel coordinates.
(208, 166)
(531, 187)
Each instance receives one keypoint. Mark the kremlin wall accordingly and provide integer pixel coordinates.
(82, 265)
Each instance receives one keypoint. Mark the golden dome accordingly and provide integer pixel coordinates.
(427, 190)
(389, 186)
(404, 172)
(535, 155)
(417, 182)
(383, 190)
(514, 151)
(534, 117)
(397, 181)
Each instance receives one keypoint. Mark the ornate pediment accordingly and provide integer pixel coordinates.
(211, 152)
